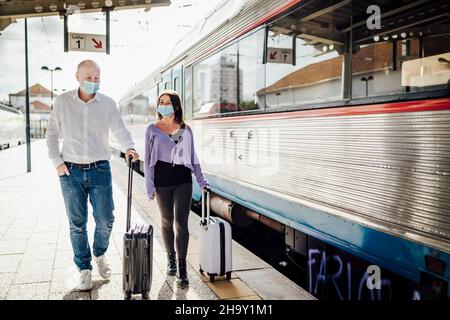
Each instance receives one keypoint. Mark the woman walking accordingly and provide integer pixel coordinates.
(170, 160)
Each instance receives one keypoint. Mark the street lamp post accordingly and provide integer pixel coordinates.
(367, 83)
(45, 68)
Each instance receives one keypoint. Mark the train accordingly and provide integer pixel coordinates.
(328, 121)
(12, 127)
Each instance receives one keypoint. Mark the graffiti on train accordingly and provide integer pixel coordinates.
(333, 275)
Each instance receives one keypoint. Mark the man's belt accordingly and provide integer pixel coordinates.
(86, 166)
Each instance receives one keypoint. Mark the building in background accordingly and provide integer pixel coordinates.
(40, 108)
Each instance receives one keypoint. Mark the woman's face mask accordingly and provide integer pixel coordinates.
(166, 110)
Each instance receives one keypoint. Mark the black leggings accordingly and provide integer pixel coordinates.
(175, 201)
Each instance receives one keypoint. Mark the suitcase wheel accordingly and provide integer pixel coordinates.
(127, 295)
(145, 296)
(212, 278)
(228, 275)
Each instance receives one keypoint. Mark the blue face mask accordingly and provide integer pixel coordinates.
(90, 87)
(165, 111)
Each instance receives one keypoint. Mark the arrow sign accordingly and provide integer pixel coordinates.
(98, 44)
(87, 42)
(279, 55)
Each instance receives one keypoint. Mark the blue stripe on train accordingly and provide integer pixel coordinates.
(401, 256)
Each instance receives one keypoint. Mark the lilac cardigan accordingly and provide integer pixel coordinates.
(159, 146)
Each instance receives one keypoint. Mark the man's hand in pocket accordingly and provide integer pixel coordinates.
(62, 170)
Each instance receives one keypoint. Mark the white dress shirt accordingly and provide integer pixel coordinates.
(84, 128)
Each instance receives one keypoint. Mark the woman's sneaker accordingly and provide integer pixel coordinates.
(103, 267)
(85, 283)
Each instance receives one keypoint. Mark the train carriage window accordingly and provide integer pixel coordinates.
(176, 84)
(206, 86)
(315, 75)
(152, 97)
(251, 72)
(135, 110)
(215, 83)
(409, 53)
(188, 93)
(167, 79)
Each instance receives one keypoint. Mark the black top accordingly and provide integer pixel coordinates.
(167, 174)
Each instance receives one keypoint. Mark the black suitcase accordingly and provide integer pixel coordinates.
(137, 252)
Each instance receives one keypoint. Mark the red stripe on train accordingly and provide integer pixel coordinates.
(399, 107)
(258, 22)
(272, 14)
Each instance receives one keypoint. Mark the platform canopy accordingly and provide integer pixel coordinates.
(15, 9)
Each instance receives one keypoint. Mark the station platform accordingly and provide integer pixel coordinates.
(36, 255)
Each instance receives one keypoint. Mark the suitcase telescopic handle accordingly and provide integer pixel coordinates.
(205, 194)
(130, 192)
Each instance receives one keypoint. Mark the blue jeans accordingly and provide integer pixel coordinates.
(95, 183)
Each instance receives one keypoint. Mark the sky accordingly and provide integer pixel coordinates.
(140, 42)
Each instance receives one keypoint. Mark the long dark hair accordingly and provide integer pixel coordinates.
(176, 103)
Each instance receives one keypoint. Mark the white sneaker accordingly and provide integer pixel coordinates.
(85, 280)
(103, 267)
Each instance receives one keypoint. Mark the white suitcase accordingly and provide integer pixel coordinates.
(215, 243)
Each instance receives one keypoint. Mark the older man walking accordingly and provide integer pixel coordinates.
(82, 118)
